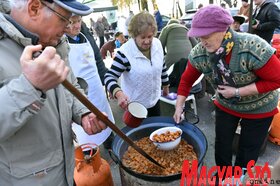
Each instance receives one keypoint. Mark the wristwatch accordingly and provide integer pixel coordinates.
(237, 94)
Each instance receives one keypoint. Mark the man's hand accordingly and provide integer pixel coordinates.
(92, 124)
(46, 71)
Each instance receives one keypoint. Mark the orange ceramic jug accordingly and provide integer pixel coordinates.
(90, 168)
(274, 135)
(135, 114)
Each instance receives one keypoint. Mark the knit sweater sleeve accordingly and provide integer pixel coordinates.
(119, 65)
(269, 75)
(189, 76)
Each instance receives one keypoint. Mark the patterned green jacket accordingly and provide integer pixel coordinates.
(249, 53)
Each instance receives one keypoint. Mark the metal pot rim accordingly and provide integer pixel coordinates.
(154, 122)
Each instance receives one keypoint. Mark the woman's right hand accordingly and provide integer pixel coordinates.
(122, 99)
(178, 115)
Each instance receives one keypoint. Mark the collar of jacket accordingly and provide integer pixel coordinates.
(265, 2)
(81, 39)
(135, 50)
(34, 38)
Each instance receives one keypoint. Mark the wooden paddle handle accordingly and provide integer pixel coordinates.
(105, 119)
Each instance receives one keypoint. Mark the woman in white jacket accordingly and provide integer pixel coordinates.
(140, 62)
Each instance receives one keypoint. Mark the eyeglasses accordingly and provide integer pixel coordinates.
(66, 20)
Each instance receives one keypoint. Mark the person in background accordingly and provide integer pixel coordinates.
(83, 61)
(266, 18)
(124, 27)
(101, 68)
(140, 63)
(238, 20)
(92, 23)
(100, 31)
(105, 22)
(200, 6)
(106, 27)
(175, 42)
(114, 25)
(223, 5)
(128, 19)
(158, 19)
(244, 9)
(36, 140)
(176, 47)
(112, 45)
(245, 72)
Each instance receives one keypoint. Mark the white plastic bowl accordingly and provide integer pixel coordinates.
(166, 145)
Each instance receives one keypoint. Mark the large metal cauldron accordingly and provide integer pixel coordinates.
(191, 134)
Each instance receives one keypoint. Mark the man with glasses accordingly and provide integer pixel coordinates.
(36, 142)
(64, 19)
(86, 62)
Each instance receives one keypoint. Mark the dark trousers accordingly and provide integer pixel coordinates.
(252, 136)
(155, 110)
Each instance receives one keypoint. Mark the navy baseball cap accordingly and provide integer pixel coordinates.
(73, 6)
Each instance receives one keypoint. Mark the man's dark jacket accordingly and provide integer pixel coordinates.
(269, 17)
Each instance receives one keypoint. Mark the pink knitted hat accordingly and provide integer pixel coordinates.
(210, 19)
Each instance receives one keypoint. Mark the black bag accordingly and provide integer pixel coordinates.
(178, 69)
(175, 77)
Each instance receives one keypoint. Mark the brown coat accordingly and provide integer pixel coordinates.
(109, 46)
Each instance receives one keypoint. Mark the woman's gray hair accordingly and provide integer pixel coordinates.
(140, 23)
